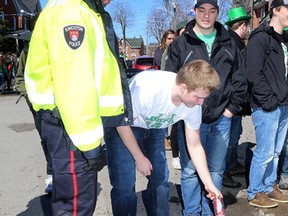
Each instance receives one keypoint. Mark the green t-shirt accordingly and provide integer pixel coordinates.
(208, 39)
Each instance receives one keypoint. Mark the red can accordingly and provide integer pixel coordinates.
(219, 208)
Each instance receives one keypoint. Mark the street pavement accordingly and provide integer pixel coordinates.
(23, 169)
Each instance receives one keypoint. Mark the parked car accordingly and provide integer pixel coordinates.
(132, 71)
(145, 63)
(129, 70)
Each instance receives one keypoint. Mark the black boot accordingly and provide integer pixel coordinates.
(229, 182)
(238, 170)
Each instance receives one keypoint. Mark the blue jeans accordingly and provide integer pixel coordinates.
(215, 140)
(122, 172)
(271, 129)
(283, 159)
(235, 133)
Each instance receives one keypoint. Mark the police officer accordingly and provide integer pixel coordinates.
(73, 79)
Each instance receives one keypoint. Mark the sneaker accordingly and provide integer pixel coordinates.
(229, 182)
(176, 163)
(283, 183)
(262, 200)
(167, 144)
(237, 170)
(277, 195)
(49, 184)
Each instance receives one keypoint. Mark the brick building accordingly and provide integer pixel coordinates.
(134, 47)
(19, 14)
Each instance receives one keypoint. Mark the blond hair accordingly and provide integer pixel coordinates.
(198, 74)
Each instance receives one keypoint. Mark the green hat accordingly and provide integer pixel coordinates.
(181, 25)
(236, 14)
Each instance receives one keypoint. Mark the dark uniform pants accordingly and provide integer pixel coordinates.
(74, 188)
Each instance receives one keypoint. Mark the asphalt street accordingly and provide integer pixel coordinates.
(22, 172)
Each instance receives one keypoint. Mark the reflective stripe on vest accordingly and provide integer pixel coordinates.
(108, 104)
(84, 140)
(36, 97)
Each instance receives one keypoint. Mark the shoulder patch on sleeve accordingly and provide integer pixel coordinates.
(74, 35)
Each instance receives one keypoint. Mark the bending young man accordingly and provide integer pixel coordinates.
(159, 100)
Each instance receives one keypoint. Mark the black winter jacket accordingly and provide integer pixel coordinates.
(127, 117)
(246, 109)
(238, 40)
(225, 58)
(266, 69)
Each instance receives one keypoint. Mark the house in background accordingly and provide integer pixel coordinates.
(17, 20)
(260, 12)
(152, 48)
(134, 47)
(258, 9)
(19, 14)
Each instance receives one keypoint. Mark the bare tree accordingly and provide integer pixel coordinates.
(177, 11)
(167, 5)
(224, 6)
(157, 24)
(123, 15)
(159, 20)
(183, 10)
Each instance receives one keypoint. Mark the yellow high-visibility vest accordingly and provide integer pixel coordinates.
(70, 66)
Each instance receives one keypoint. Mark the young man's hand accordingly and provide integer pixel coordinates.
(144, 166)
(213, 192)
(227, 113)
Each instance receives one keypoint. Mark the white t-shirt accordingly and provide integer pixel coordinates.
(152, 104)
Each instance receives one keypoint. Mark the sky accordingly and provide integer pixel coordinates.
(141, 10)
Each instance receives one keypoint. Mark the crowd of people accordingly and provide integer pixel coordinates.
(208, 80)
(8, 71)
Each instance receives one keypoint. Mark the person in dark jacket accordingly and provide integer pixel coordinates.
(283, 159)
(238, 24)
(206, 39)
(266, 68)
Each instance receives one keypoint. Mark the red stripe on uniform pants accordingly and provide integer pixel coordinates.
(75, 187)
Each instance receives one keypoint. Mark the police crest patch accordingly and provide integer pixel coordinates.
(74, 35)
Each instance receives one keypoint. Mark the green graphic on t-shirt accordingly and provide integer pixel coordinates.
(158, 121)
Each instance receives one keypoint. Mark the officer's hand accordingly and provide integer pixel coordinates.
(96, 159)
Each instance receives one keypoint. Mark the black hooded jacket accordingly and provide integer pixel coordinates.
(265, 67)
(225, 58)
(127, 117)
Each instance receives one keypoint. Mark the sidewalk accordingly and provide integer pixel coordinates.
(23, 172)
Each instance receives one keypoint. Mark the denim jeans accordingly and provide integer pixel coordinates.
(283, 159)
(215, 140)
(121, 167)
(235, 133)
(271, 129)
